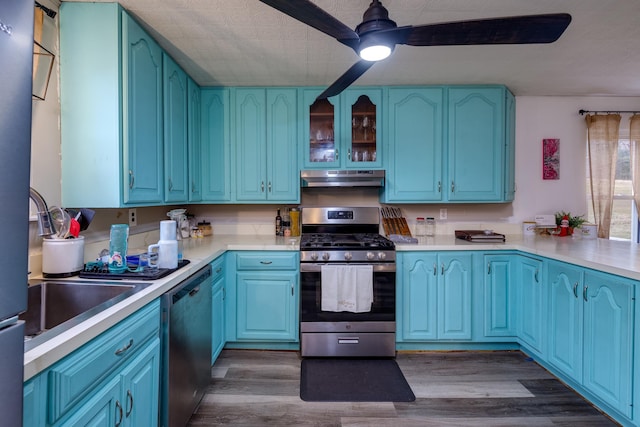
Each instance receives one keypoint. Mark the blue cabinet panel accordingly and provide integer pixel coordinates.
(414, 154)
(532, 304)
(476, 132)
(216, 146)
(499, 296)
(175, 132)
(194, 141)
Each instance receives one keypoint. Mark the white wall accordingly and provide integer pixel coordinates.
(556, 117)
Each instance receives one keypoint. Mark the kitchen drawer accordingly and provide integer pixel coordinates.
(73, 378)
(267, 261)
(217, 268)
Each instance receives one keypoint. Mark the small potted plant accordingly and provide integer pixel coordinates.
(572, 222)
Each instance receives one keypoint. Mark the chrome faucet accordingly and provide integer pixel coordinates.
(46, 228)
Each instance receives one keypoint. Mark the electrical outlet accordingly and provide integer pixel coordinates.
(133, 218)
(443, 214)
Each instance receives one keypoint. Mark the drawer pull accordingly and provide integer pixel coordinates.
(218, 270)
(119, 409)
(129, 402)
(354, 340)
(266, 262)
(124, 349)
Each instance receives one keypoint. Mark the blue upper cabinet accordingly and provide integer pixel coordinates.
(475, 144)
(362, 127)
(450, 144)
(343, 131)
(265, 140)
(111, 108)
(176, 186)
(216, 145)
(194, 141)
(414, 156)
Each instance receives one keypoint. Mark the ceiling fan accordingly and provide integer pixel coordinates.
(376, 36)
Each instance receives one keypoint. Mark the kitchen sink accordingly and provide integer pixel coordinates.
(55, 306)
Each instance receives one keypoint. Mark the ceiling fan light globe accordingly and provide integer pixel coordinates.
(375, 52)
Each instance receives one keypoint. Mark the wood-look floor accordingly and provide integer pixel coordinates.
(506, 388)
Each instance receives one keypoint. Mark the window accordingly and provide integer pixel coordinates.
(624, 218)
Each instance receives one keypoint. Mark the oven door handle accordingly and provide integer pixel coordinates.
(378, 267)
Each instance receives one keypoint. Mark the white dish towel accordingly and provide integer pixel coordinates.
(347, 288)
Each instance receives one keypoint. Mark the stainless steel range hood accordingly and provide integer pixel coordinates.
(342, 178)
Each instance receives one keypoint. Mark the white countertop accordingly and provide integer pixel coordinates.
(614, 257)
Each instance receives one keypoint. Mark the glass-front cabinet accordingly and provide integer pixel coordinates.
(342, 131)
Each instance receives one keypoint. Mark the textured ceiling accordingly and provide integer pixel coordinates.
(246, 43)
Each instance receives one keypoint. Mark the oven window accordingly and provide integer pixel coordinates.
(382, 309)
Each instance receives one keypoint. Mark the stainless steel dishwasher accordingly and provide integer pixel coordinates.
(186, 347)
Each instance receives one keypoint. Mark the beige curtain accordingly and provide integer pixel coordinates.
(634, 138)
(602, 135)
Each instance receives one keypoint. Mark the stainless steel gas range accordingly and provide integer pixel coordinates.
(348, 284)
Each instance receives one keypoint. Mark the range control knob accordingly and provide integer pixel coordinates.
(382, 255)
(348, 256)
(314, 256)
(326, 256)
(371, 256)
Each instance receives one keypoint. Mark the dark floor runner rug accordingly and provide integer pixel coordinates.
(353, 380)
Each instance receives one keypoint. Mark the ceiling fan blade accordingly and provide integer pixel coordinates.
(310, 14)
(509, 30)
(346, 79)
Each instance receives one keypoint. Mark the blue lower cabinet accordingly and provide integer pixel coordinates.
(566, 313)
(262, 299)
(267, 308)
(591, 332)
(112, 380)
(436, 296)
(218, 296)
(608, 339)
(499, 296)
(532, 307)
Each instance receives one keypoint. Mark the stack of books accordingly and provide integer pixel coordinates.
(483, 236)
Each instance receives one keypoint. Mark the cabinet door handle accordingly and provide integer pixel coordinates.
(349, 154)
(170, 184)
(442, 268)
(337, 154)
(439, 186)
(266, 262)
(119, 409)
(123, 350)
(262, 186)
(292, 289)
(575, 289)
(453, 186)
(131, 179)
(435, 269)
(269, 186)
(535, 277)
(489, 268)
(129, 403)
(584, 293)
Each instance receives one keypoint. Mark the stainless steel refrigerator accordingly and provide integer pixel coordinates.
(16, 53)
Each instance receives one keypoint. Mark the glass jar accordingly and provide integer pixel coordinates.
(421, 227)
(430, 227)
